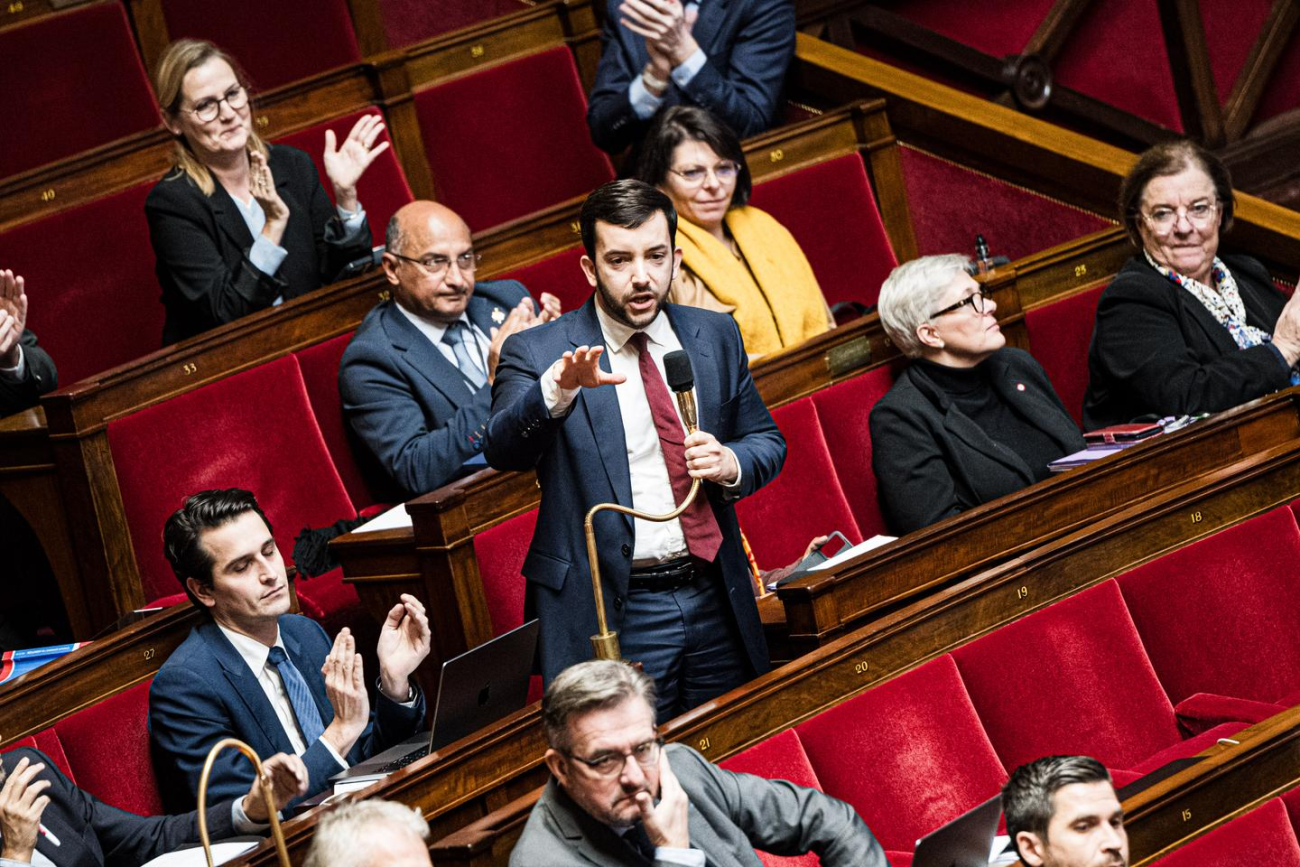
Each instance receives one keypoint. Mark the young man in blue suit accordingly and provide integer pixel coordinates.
(584, 400)
(416, 377)
(255, 672)
(727, 56)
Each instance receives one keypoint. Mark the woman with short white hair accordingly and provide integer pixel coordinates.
(971, 419)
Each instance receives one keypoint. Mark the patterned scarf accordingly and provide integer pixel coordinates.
(1225, 305)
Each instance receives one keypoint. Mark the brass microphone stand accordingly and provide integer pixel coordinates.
(269, 800)
(605, 642)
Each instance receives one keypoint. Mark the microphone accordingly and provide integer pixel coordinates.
(681, 379)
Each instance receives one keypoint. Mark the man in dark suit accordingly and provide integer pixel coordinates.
(584, 400)
(618, 796)
(255, 672)
(26, 370)
(726, 56)
(46, 819)
(416, 377)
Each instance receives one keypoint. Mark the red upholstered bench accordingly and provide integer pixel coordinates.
(560, 274)
(1059, 335)
(804, 501)
(844, 410)
(1262, 836)
(1015, 221)
(254, 430)
(74, 81)
(407, 22)
(780, 757)
(104, 749)
(93, 297)
(510, 139)
(909, 755)
(382, 189)
(832, 213)
(1074, 678)
(256, 33)
(1217, 617)
(500, 552)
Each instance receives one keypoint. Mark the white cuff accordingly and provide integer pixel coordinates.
(266, 256)
(558, 400)
(16, 373)
(243, 824)
(684, 857)
(644, 103)
(343, 765)
(740, 473)
(689, 68)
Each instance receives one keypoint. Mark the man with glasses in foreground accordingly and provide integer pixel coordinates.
(416, 378)
(619, 796)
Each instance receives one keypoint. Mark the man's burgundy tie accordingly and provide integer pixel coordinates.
(699, 525)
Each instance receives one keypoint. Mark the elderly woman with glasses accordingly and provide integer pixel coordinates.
(970, 419)
(736, 259)
(1181, 330)
(239, 225)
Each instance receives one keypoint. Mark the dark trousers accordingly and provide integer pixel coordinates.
(687, 640)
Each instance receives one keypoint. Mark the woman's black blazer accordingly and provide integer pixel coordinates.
(1157, 351)
(202, 245)
(932, 460)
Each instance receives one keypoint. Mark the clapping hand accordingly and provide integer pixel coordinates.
(21, 806)
(403, 644)
(286, 778)
(13, 318)
(345, 686)
(666, 25)
(346, 163)
(262, 186)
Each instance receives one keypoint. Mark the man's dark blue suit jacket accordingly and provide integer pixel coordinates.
(205, 692)
(581, 460)
(749, 44)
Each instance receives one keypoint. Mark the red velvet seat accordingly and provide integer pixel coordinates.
(510, 139)
(909, 755)
(1262, 836)
(254, 430)
(381, 190)
(47, 741)
(257, 34)
(832, 213)
(93, 297)
(107, 745)
(407, 22)
(500, 551)
(560, 274)
(1072, 679)
(805, 500)
(1218, 616)
(1015, 221)
(844, 410)
(780, 757)
(74, 81)
(1059, 336)
(320, 374)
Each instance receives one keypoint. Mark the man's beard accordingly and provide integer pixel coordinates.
(615, 309)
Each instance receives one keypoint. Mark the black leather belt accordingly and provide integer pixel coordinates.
(661, 577)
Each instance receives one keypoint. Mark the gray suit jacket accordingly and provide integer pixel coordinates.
(730, 815)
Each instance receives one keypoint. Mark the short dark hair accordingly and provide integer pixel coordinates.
(627, 204)
(680, 123)
(206, 510)
(1027, 796)
(1170, 158)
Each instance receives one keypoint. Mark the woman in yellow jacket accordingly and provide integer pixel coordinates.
(736, 259)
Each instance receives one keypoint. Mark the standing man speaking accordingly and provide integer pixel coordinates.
(583, 399)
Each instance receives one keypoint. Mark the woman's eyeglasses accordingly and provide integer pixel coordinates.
(207, 110)
(976, 302)
(725, 171)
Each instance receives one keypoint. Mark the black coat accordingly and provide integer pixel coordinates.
(1157, 351)
(202, 245)
(39, 377)
(90, 832)
(932, 460)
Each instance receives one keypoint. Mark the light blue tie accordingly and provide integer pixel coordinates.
(304, 706)
(455, 338)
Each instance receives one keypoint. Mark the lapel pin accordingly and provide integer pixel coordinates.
(1020, 386)
(498, 315)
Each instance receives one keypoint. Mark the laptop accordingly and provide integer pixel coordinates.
(966, 841)
(477, 688)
